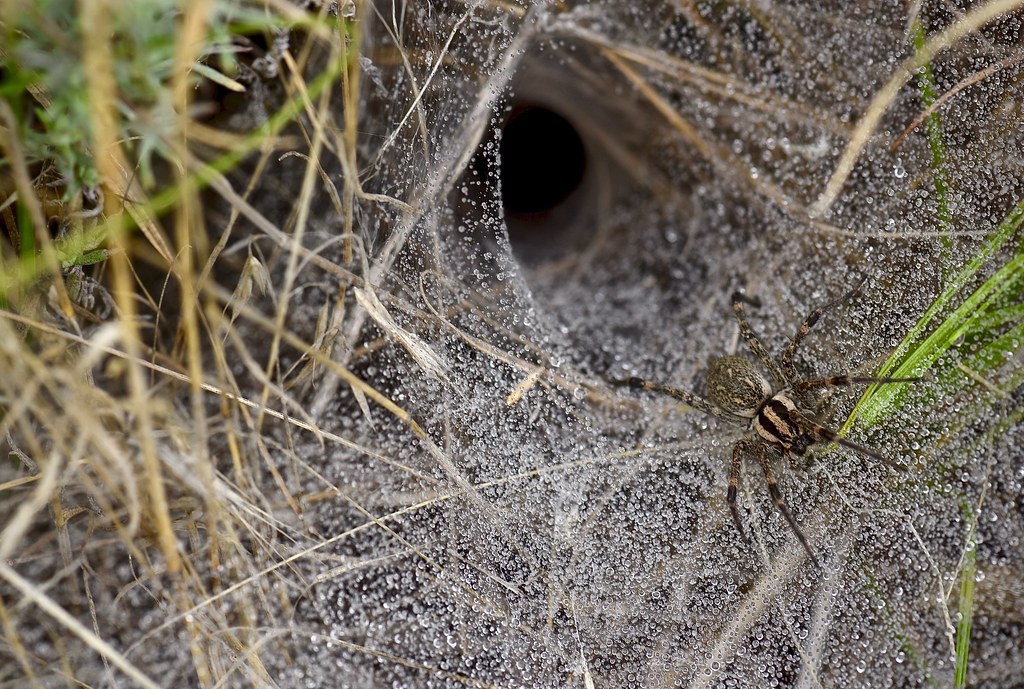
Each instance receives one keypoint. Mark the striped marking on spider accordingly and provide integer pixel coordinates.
(774, 410)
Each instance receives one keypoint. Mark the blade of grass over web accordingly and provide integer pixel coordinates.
(32, 592)
(884, 97)
(966, 609)
(933, 131)
(977, 314)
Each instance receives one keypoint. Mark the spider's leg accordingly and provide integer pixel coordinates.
(835, 381)
(773, 488)
(738, 451)
(683, 396)
(833, 437)
(805, 328)
(738, 300)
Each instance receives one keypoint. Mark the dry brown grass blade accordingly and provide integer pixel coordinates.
(885, 96)
(708, 150)
(688, 131)
(952, 92)
(192, 241)
(100, 346)
(431, 363)
(454, 161)
(31, 594)
(532, 372)
(724, 86)
(102, 99)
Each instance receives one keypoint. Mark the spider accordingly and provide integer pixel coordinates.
(777, 414)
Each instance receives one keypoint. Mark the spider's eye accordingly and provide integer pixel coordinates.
(801, 443)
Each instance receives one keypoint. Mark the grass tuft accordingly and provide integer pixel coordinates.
(988, 319)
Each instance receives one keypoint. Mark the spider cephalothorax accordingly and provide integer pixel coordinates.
(777, 414)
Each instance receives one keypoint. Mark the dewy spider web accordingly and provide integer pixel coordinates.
(428, 467)
(779, 415)
(577, 534)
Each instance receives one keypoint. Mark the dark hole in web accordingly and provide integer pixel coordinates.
(542, 161)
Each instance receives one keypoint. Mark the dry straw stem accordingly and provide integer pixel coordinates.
(192, 241)
(98, 345)
(948, 95)
(309, 179)
(308, 551)
(533, 372)
(90, 452)
(102, 98)
(710, 151)
(32, 594)
(361, 387)
(762, 594)
(713, 82)
(970, 23)
(453, 161)
(726, 86)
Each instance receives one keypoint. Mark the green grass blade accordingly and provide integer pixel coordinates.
(966, 609)
(933, 132)
(917, 352)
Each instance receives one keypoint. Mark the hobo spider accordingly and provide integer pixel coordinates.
(778, 416)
